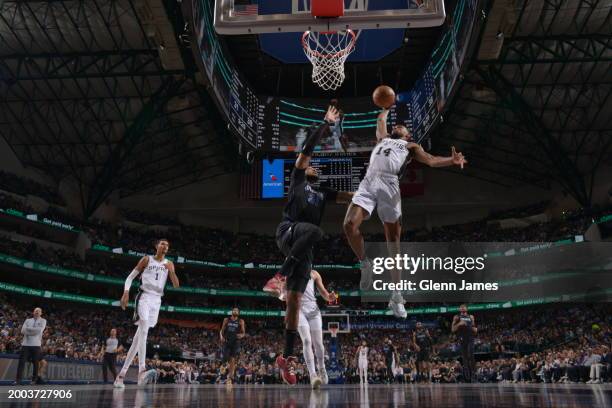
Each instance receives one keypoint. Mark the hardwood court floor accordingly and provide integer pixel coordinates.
(331, 396)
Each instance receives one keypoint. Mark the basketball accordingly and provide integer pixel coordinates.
(383, 96)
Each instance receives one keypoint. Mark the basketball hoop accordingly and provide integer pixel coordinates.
(333, 331)
(328, 51)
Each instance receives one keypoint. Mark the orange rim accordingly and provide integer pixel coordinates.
(340, 53)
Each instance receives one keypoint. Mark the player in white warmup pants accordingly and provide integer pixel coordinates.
(310, 328)
(362, 362)
(153, 271)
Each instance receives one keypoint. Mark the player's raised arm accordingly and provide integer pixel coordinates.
(172, 274)
(381, 125)
(142, 264)
(455, 159)
(314, 137)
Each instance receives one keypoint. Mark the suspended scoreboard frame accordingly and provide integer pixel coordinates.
(228, 22)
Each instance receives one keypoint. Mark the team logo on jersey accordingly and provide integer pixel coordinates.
(312, 197)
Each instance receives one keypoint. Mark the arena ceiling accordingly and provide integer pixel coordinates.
(104, 91)
(535, 104)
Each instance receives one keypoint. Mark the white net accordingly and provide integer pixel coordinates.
(327, 51)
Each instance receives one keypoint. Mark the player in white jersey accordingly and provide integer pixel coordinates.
(380, 189)
(362, 362)
(310, 328)
(153, 271)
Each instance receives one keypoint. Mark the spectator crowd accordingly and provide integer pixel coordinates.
(551, 344)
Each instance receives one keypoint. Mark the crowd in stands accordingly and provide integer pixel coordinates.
(147, 218)
(199, 243)
(551, 343)
(24, 186)
(222, 246)
(520, 212)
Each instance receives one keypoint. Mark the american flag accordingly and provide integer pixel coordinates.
(246, 9)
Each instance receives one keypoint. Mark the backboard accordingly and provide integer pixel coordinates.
(236, 17)
(340, 320)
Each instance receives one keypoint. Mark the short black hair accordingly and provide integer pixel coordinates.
(395, 135)
(162, 239)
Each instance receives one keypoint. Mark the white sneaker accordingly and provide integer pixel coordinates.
(119, 383)
(315, 382)
(283, 294)
(141, 378)
(323, 376)
(366, 274)
(591, 382)
(396, 304)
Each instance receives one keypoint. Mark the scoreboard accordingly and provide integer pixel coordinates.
(339, 173)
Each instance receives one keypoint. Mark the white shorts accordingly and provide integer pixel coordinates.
(382, 192)
(363, 363)
(148, 308)
(310, 316)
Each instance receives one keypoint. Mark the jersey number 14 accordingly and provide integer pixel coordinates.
(386, 152)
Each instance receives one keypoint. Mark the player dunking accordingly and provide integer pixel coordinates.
(380, 189)
(464, 326)
(310, 328)
(362, 362)
(153, 271)
(422, 342)
(232, 330)
(296, 235)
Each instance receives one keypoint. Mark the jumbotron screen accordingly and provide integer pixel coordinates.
(340, 173)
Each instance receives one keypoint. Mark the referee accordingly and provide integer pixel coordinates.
(32, 331)
(109, 360)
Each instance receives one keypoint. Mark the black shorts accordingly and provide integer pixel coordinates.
(423, 355)
(286, 233)
(230, 349)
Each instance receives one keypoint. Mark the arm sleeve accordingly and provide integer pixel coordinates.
(313, 138)
(128, 281)
(298, 176)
